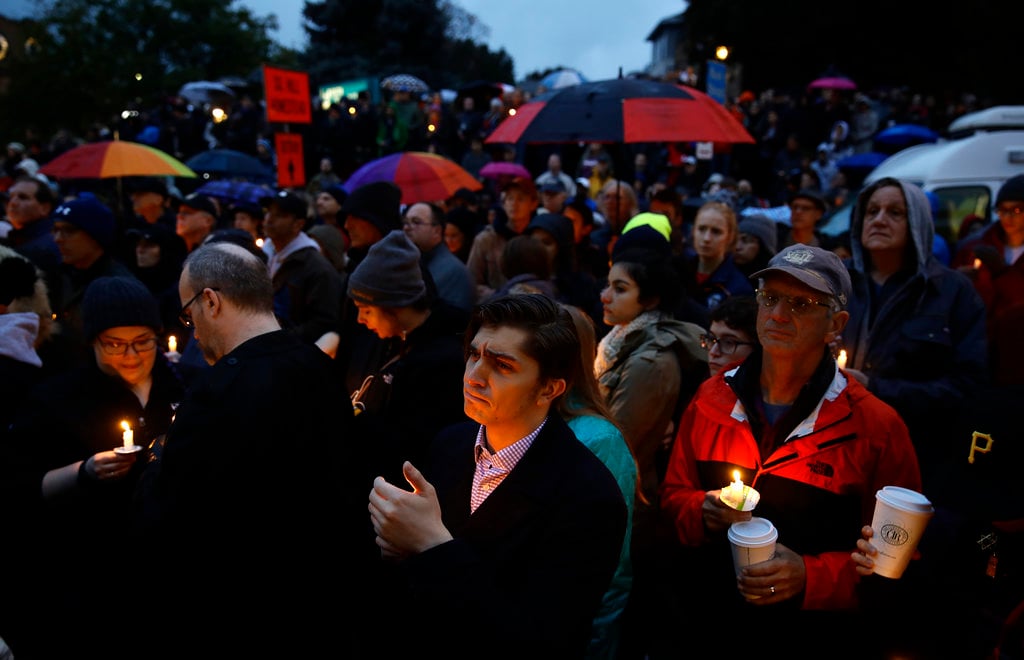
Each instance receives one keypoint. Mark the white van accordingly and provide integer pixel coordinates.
(964, 173)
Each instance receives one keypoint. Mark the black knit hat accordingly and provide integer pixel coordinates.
(115, 302)
(1012, 190)
(379, 203)
(390, 274)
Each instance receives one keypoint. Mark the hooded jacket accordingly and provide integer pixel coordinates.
(920, 337)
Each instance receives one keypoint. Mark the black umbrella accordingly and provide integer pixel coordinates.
(230, 163)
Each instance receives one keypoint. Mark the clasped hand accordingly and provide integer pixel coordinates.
(406, 523)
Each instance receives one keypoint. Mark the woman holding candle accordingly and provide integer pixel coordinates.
(62, 475)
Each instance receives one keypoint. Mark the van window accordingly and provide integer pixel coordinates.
(958, 202)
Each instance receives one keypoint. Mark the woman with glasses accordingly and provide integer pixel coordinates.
(68, 482)
(733, 332)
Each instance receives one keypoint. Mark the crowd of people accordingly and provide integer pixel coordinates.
(521, 402)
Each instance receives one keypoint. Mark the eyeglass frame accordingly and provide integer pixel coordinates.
(708, 341)
(764, 299)
(186, 318)
(1016, 211)
(110, 348)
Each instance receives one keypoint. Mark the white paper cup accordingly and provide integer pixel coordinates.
(753, 541)
(900, 518)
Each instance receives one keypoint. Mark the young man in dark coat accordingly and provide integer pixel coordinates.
(513, 531)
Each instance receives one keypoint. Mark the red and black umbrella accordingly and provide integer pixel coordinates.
(622, 110)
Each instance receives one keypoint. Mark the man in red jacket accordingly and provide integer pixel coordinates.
(816, 445)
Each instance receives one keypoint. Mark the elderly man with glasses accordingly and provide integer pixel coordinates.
(813, 441)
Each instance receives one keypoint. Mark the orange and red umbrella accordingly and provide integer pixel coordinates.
(114, 158)
(421, 175)
(622, 110)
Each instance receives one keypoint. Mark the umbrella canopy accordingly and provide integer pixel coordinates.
(627, 110)
(230, 163)
(497, 169)
(904, 135)
(236, 192)
(832, 82)
(864, 162)
(422, 176)
(207, 91)
(561, 78)
(403, 82)
(114, 158)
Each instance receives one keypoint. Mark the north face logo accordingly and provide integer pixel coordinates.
(824, 469)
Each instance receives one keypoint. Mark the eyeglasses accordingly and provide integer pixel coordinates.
(64, 230)
(184, 315)
(113, 347)
(726, 345)
(1010, 211)
(799, 306)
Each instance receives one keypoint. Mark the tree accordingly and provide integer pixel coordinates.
(430, 39)
(97, 57)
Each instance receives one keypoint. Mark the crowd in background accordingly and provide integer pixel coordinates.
(663, 259)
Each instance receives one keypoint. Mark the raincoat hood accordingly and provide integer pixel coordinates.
(920, 226)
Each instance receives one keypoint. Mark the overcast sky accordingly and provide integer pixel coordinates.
(595, 37)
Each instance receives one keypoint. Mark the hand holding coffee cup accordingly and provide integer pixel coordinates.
(753, 542)
(900, 518)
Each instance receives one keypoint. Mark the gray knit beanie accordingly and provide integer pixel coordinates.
(764, 228)
(389, 275)
(117, 302)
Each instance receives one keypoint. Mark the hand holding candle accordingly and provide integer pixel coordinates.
(738, 496)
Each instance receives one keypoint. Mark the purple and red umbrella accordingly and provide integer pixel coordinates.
(422, 176)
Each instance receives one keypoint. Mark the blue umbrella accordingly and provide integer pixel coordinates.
(902, 135)
(864, 162)
(236, 192)
(230, 163)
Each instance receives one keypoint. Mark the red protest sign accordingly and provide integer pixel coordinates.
(287, 96)
(291, 173)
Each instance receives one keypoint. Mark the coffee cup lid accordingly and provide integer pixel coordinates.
(904, 498)
(756, 531)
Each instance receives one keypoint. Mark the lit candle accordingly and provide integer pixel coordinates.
(259, 242)
(841, 360)
(977, 264)
(128, 436)
(736, 488)
(172, 344)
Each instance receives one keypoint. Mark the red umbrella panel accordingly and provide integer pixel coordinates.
(422, 176)
(626, 110)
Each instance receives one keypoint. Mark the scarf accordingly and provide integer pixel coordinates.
(611, 343)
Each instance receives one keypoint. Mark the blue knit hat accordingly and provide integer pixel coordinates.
(91, 216)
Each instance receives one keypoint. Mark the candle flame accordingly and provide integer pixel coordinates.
(977, 264)
(735, 475)
(124, 425)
